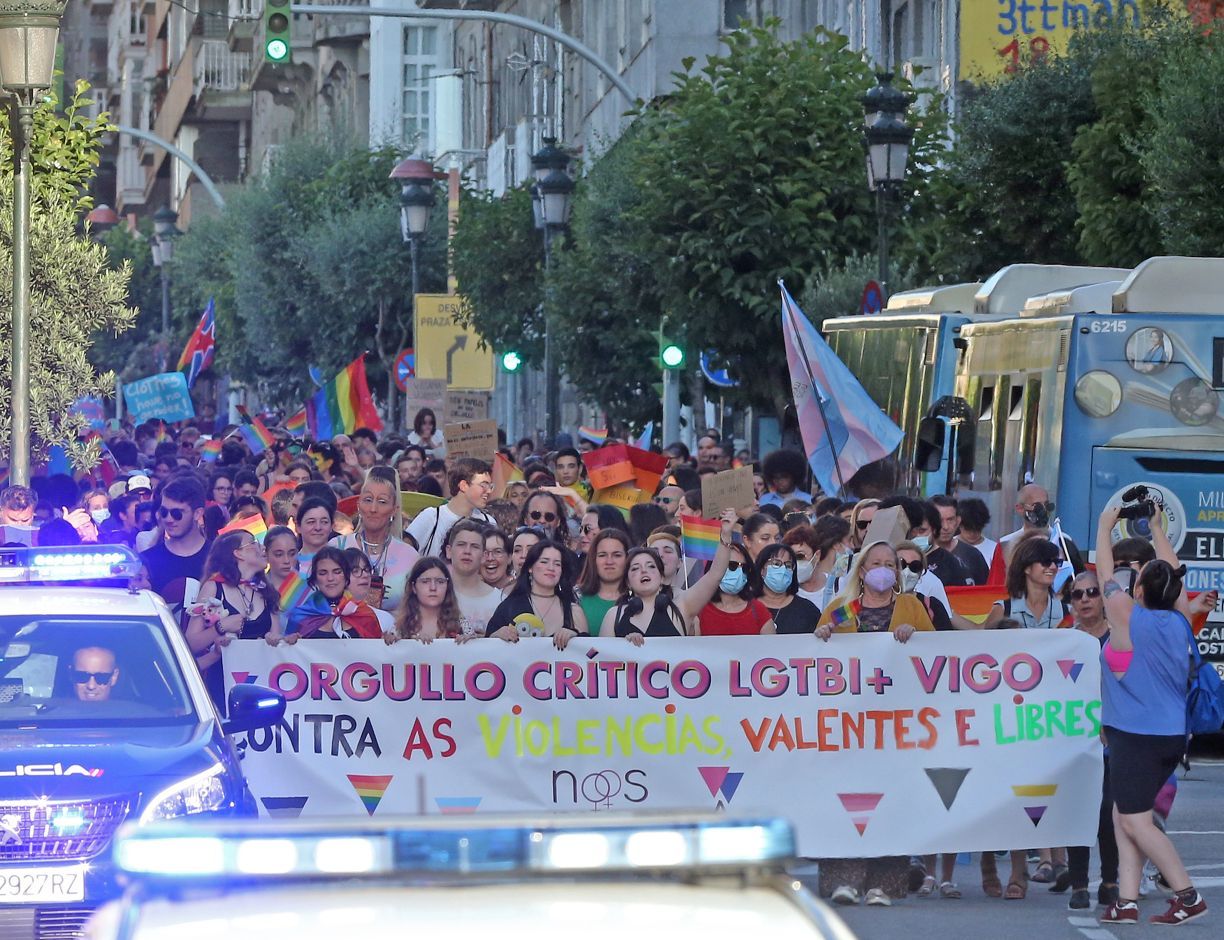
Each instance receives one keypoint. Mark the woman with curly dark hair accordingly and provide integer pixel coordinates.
(429, 610)
(542, 601)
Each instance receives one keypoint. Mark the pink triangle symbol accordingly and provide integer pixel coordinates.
(240, 677)
(714, 777)
(860, 802)
(1066, 665)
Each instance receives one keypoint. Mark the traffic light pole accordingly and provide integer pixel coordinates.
(671, 406)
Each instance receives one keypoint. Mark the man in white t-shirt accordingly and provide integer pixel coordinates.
(477, 600)
(471, 482)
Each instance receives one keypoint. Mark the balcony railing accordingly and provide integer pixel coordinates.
(219, 69)
(245, 9)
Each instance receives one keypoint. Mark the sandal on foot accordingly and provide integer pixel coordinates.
(992, 887)
(1043, 874)
(949, 890)
(1015, 891)
(927, 888)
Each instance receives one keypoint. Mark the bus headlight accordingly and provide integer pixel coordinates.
(202, 793)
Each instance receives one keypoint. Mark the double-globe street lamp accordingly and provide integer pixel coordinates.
(552, 197)
(888, 143)
(29, 30)
(165, 231)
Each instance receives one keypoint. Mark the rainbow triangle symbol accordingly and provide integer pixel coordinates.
(860, 806)
(244, 678)
(720, 780)
(370, 788)
(457, 805)
(1070, 669)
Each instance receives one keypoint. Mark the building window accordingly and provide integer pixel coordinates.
(754, 11)
(420, 60)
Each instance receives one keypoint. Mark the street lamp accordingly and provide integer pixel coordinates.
(29, 32)
(101, 220)
(552, 197)
(164, 233)
(416, 199)
(888, 141)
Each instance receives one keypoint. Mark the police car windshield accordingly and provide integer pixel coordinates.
(71, 670)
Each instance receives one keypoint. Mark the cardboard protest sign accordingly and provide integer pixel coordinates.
(623, 496)
(471, 439)
(466, 406)
(731, 489)
(162, 396)
(608, 466)
(887, 525)
(648, 467)
(425, 393)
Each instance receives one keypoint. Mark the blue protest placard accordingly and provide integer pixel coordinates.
(162, 396)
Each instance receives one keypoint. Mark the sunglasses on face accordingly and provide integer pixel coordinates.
(1081, 593)
(1052, 563)
(664, 500)
(733, 566)
(81, 677)
(536, 515)
(175, 514)
(862, 526)
(914, 566)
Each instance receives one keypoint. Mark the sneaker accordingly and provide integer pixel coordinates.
(844, 894)
(1121, 912)
(1080, 900)
(877, 898)
(1179, 911)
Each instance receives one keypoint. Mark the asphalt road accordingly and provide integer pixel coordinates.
(1196, 826)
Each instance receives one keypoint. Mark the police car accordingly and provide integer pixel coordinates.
(104, 720)
(605, 877)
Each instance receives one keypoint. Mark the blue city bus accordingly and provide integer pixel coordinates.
(906, 357)
(1091, 392)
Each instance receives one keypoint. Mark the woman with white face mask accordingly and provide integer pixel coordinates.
(913, 567)
(822, 556)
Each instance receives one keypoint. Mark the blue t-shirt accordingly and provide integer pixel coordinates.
(773, 499)
(1150, 698)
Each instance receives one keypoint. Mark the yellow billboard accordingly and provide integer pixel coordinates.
(999, 36)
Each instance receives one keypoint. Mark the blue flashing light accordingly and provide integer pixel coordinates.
(74, 563)
(69, 822)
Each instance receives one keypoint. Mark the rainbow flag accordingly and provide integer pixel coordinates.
(343, 405)
(504, 473)
(974, 603)
(846, 613)
(255, 431)
(253, 524)
(594, 435)
(293, 591)
(162, 434)
(295, 424)
(700, 537)
(211, 450)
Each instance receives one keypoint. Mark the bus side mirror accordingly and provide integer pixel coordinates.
(928, 455)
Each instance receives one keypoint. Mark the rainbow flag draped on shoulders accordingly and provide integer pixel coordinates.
(314, 613)
(343, 405)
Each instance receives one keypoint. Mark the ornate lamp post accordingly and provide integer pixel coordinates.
(552, 197)
(888, 141)
(29, 30)
(164, 234)
(416, 199)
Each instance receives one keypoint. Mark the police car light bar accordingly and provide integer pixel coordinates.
(72, 563)
(297, 849)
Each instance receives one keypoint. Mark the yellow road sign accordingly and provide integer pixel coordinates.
(447, 350)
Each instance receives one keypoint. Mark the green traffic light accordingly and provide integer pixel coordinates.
(672, 356)
(511, 361)
(277, 50)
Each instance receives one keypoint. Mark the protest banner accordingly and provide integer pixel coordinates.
(466, 406)
(424, 393)
(951, 742)
(471, 439)
(162, 396)
(730, 489)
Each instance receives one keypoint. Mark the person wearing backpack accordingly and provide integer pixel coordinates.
(1145, 672)
(471, 484)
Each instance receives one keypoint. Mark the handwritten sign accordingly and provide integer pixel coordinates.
(953, 742)
(887, 525)
(623, 496)
(730, 489)
(162, 396)
(466, 406)
(471, 439)
(424, 393)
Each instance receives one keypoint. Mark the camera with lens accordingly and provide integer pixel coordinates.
(1140, 504)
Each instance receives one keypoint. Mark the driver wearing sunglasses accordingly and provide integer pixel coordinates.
(93, 673)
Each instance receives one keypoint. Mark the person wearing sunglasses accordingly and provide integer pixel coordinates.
(668, 499)
(595, 520)
(180, 555)
(1030, 587)
(1037, 511)
(548, 511)
(860, 519)
(913, 563)
(93, 674)
(733, 608)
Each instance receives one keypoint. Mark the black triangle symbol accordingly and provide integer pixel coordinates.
(947, 782)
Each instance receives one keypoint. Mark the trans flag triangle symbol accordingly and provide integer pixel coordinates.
(860, 806)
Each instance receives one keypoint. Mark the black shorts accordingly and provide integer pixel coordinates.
(1139, 765)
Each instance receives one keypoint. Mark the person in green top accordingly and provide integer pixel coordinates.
(603, 575)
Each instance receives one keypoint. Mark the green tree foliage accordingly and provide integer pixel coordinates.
(133, 352)
(307, 267)
(74, 291)
(1181, 158)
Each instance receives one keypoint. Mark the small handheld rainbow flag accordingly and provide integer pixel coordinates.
(256, 433)
(504, 473)
(293, 591)
(211, 450)
(700, 537)
(594, 435)
(845, 614)
(295, 424)
(253, 524)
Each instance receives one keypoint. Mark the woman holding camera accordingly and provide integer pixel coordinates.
(1143, 684)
